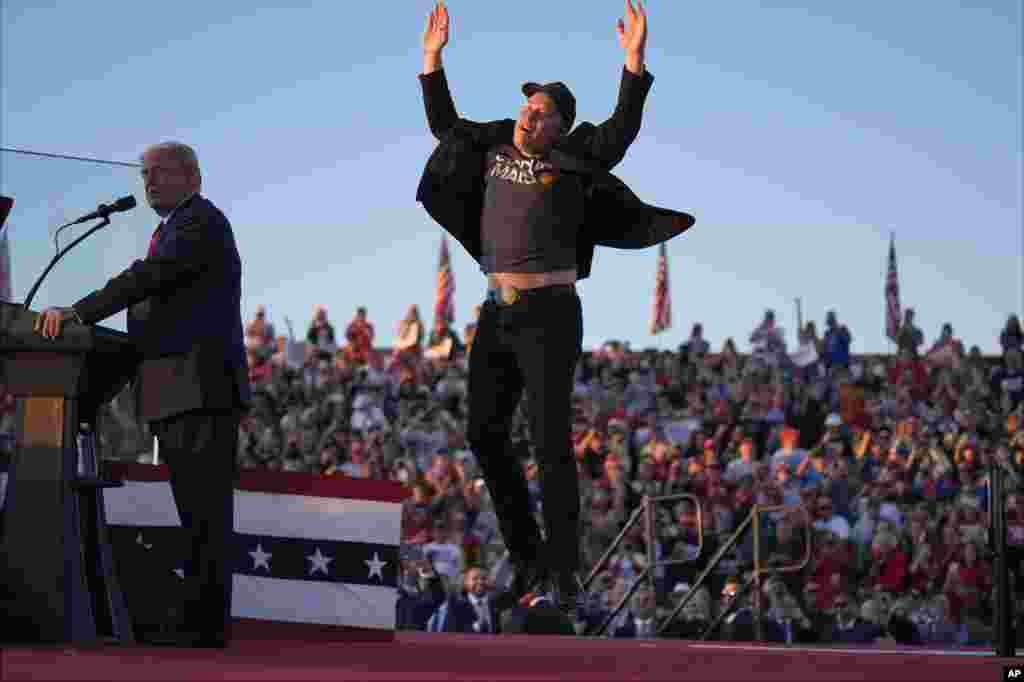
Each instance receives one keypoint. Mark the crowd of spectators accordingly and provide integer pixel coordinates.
(881, 462)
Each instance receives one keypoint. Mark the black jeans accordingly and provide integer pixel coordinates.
(533, 344)
(200, 449)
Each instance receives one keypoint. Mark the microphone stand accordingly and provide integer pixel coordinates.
(60, 254)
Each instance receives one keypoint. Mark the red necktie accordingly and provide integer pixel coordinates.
(152, 240)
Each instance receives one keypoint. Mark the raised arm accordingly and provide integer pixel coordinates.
(608, 142)
(437, 99)
(633, 36)
(435, 37)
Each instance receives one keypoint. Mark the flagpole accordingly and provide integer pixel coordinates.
(661, 311)
(892, 341)
(799, 320)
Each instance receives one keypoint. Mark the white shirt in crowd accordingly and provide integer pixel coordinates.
(423, 445)
(367, 416)
(791, 459)
(679, 431)
(450, 387)
(738, 469)
(483, 615)
(485, 528)
(644, 628)
(293, 356)
(891, 512)
(376, 377)
(837, 524)
(642, 437)
(446, 557)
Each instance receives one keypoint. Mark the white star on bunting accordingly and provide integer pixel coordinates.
(261, 558)
(376, 565)
(319, 562)
(140, 541)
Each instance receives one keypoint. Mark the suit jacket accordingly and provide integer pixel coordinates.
(452, 186)
(185, 315)
(462, 614)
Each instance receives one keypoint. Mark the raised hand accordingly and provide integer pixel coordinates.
(633, 30)
(435, 36)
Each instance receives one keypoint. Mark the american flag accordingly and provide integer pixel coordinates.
(892, 294)
(444, 296)
(309, 551)
(661, 315)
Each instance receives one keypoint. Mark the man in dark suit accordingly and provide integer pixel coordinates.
(849, 627)
(529, 200)
(473, 610)
(192, 383)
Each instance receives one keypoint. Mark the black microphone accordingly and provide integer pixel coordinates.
(123, 204)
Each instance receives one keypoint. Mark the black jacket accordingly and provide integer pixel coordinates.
(462, 614)
(185, 315)
(452, 186)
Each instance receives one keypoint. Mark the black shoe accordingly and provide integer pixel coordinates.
(569, 597)
(183, 638)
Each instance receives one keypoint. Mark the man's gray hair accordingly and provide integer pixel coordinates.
(180, 151)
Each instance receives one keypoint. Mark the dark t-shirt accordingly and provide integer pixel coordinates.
(532, 214)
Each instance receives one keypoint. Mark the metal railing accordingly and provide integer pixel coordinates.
(753, 519)
(647, 511)
(808, 527)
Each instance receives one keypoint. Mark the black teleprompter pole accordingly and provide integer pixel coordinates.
(1005, 645)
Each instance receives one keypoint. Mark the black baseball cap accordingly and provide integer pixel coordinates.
(560, 94)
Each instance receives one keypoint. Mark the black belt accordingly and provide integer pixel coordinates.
(509, 295)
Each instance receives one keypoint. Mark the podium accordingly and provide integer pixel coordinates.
(57, 576)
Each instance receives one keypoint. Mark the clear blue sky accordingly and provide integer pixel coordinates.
(800, 134)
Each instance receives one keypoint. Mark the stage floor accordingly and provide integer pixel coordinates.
(424, 656)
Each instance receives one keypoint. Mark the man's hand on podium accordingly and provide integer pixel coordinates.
(50, 321)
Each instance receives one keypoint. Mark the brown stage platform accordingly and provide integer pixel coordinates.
(424, 656)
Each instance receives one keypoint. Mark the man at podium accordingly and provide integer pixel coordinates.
(184, 301)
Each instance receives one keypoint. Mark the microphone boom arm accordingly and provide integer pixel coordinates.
(60, 254)
(56, 236)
